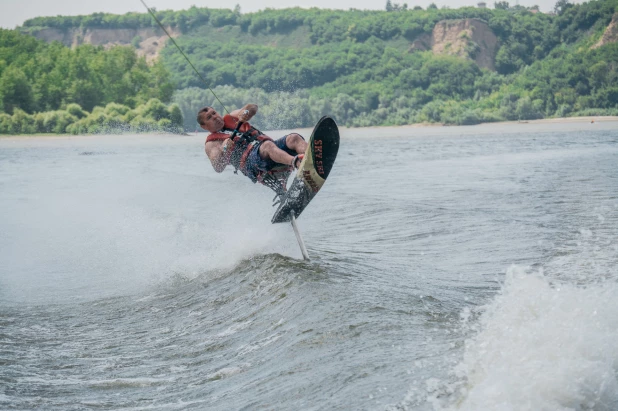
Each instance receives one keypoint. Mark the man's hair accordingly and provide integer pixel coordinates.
(199, 114)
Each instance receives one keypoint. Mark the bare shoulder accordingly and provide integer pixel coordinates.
(214, 152)
(214, 143)
(213, 147)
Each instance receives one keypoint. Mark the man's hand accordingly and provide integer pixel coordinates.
(244, 116)
(246, 113)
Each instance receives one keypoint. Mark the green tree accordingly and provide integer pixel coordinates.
(175, 115)
(37, 76)
(297, 63)
(15, 91)
(136, 41)
(599, 73)
(561, 6)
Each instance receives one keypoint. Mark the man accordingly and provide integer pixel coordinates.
(245, 147)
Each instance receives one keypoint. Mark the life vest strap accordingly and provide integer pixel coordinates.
(243, 142)
(245, 155)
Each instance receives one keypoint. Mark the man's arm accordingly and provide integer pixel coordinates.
(215, 152)
(245, 113)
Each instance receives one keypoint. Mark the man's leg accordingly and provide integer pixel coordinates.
(269, 151)
(296, 142)
(273, 150)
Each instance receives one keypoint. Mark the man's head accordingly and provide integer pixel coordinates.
(209, 119)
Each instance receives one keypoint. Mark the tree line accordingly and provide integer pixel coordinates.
(545, 65)
(114, 118)
(353, 63)
(525, 36)
(53, 88)
(36, 76)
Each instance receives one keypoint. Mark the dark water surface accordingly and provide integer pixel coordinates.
(452, 268)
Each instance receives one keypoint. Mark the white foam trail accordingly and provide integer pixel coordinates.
(542, 347)
(119, 237)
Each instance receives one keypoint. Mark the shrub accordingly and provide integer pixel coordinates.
(136, 41)
(165, 124)
(5, 123)
(22, 122)
(39, 122)
(57, 121)
(140, 124)
(175, 115)
(116, 110)
(153, 109)
(75, 110)
(563, 110)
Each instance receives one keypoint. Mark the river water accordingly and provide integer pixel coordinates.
(461, 268)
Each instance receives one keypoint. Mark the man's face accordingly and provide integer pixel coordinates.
(212, 120)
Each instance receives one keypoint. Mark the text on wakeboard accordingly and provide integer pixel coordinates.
(317, 150)
(309, 180)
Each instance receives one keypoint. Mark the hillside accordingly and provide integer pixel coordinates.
(465, 38)
(610, 35)
(460, 66)
(148, 41)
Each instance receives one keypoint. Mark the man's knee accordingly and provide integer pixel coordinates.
(292, 139)
(266, 148)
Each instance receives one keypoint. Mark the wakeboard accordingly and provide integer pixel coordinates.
(319, 158)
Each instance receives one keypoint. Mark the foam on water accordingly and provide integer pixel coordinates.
(122, 249)
(97, 230)
(548, 340)
(537, 346)
(544, 347)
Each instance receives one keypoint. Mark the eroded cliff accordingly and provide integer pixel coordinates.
(611, 33)
(467, 38)
(149, 40)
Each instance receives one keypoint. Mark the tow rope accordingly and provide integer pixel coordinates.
(184, 55)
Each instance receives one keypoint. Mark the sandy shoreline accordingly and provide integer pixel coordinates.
(307, 131)
(587, 119)
(425, 129)
(561, 120)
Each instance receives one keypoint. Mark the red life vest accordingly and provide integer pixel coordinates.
(244, 141)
